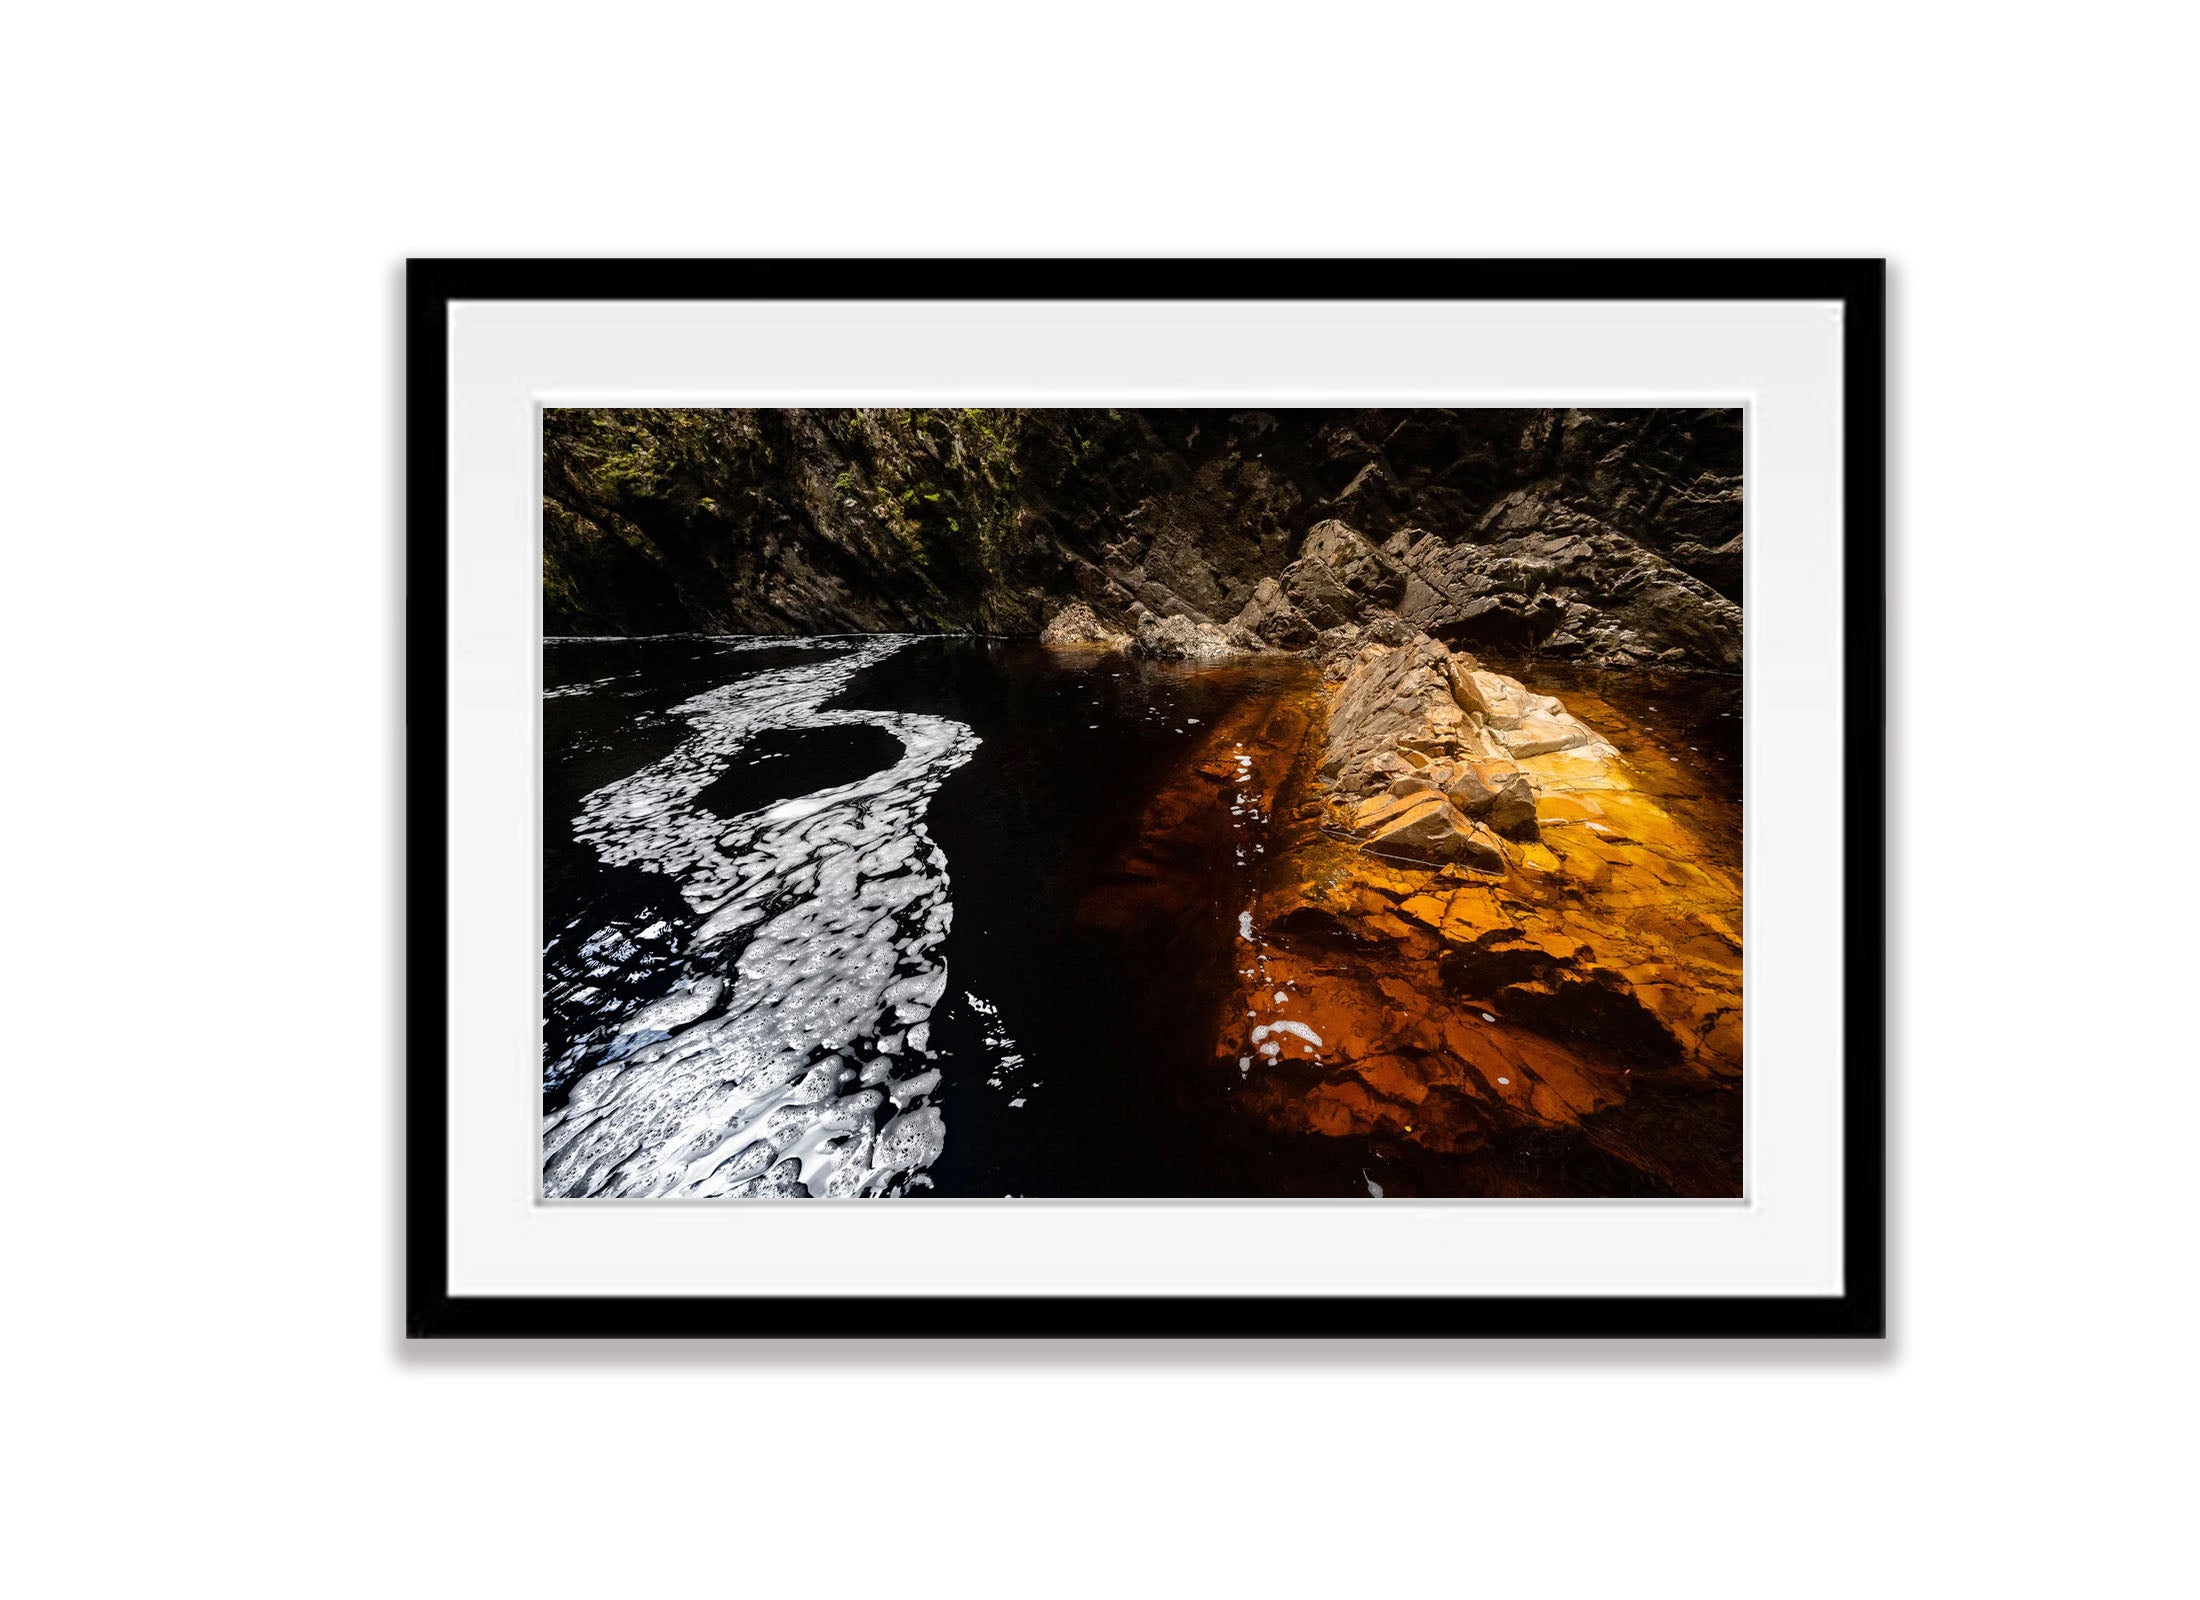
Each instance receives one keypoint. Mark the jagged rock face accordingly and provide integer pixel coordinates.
(1547, 578)
(1340, 578)
(1392, 704)
(1613, 536)
(1271, 617)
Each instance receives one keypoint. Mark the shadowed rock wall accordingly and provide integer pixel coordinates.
(1613, 537)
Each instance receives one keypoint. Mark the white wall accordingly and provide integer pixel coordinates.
(207, 207)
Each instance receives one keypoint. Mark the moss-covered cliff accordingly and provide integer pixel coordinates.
(1615, 535)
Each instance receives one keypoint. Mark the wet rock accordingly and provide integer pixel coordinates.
(1720, 567)
(1540, 736)
(1588, 999)
(1392, 697)
(1498, 792)
(1077, 625)
(1415, 720)
(1355, 564)
(1424, 826)
(1500, 700)
(1182, 639)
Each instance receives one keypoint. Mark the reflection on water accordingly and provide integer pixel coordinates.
(971, 917)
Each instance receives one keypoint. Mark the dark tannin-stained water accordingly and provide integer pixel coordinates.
(1091, 1039)
(906, 916)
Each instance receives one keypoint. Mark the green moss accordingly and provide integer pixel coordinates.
(632, 456)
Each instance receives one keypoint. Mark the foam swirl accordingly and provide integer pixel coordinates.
(789, 1052)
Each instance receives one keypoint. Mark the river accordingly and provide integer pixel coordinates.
(917, 916)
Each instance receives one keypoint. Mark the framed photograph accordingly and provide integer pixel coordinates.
(1145, 797)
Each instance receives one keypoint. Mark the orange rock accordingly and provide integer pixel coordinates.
(1552, 809)
(1394, 1078)
(1458, 1009)
(1426, 909)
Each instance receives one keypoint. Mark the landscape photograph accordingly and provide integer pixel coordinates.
(1089, 804)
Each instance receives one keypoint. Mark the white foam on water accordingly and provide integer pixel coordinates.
(1003, 1055)
(569, 690)
(815, 962)
(1297, 1030)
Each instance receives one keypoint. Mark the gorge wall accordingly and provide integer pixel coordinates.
(1609, 537)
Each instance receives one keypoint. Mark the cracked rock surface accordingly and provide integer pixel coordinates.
(1499, 926)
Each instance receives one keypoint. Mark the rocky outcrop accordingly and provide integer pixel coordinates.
(1424, 748)
(1612, 537)
(1415, 821)
(1496, 791)
(1271, 618)
(1543, 578)
(1338, 581)
(1340, 578)
(1181, 639)
(1562, 1005)
(1498, 975)
(1076, 627)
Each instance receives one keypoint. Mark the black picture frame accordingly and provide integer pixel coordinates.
(432, 1311)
